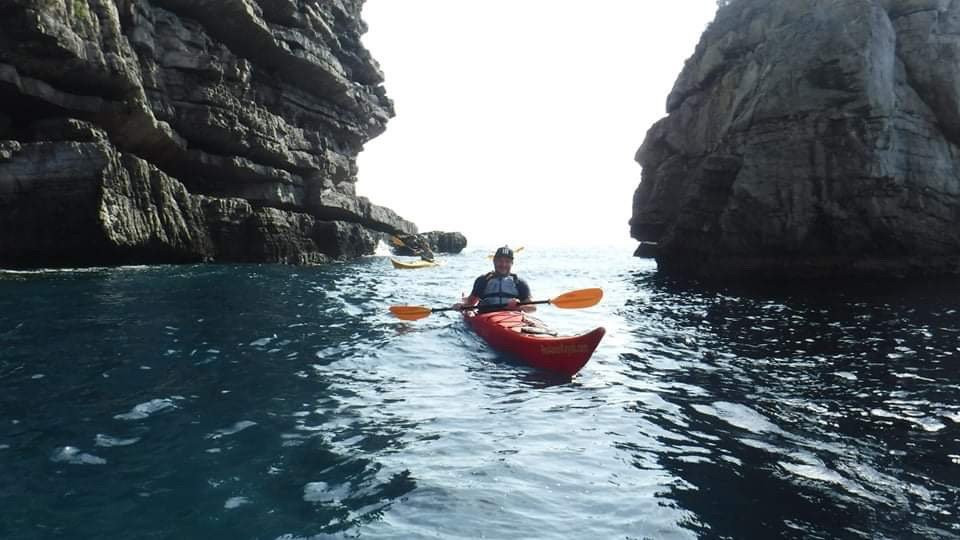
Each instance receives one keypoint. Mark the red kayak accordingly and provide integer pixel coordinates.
(530, 340)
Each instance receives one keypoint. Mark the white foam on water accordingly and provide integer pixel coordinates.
(41, 271)
(326, 353)
(382, 249)
(351, 309)
(919, 491)
(73, 456)
(730, 459)
(930, 424)
(147, 409)
(236, 428)
(926, 423)
(878, 484)
(322, 492)
(845, 375)
(813, 472)
(262, 342)
(912, 376)
(107, 441)
(316, 492)
(235, 502)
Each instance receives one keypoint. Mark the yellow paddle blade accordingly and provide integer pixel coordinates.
(578, 299)
(396, 241)
(410, 313)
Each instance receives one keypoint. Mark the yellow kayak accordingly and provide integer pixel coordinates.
(413, 264)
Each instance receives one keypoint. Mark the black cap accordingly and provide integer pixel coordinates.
(504, 252)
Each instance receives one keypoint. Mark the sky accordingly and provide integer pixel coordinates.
(518, 120)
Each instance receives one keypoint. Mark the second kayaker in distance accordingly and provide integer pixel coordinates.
(499, 289)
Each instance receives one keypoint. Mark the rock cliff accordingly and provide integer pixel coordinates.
(137, 131)
(810, 139)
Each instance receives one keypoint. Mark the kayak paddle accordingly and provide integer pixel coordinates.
(582, 298)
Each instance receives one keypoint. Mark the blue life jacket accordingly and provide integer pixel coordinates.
(499, 290)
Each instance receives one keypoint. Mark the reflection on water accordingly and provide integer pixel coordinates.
(188, 387)
(285, 402)
(824, 413)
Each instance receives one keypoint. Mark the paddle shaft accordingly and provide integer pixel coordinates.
(571, 300)
(487, 308)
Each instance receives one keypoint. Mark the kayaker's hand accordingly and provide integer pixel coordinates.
(458, 305)
(513, 303)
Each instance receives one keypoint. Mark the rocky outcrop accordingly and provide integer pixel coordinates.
(428, 242)
(810, 139)
(446, 242)
(186, 130)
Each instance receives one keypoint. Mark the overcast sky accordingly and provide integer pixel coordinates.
(518, 120)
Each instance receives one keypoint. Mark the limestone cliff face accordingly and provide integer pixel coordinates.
(810, 138)
(186, 130)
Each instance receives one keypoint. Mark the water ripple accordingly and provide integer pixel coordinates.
(276, 402)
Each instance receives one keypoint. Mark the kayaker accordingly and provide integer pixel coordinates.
(420, 248)
(499, 289)
(406, 244)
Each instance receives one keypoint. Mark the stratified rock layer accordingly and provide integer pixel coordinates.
(810, 139)
(186, 130)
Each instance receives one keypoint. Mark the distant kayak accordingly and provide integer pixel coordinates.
(530, 340)
(413, 264)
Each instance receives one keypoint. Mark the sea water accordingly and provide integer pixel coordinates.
(283, 402)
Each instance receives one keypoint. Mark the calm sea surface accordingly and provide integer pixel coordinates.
(275, 402)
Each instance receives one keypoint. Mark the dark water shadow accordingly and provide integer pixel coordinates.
(775, 391)
(219, 345)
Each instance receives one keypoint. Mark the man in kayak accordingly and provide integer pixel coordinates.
(499, 289)
(412, 243)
